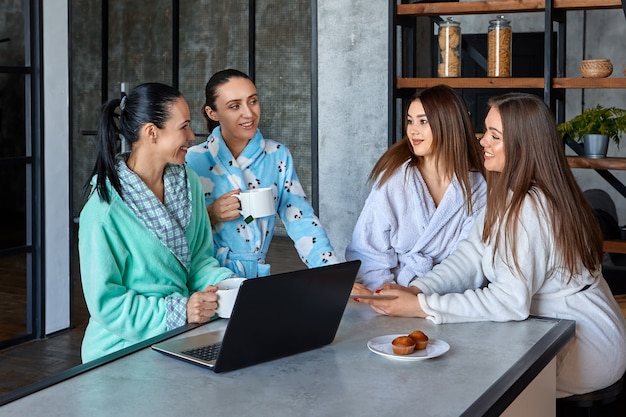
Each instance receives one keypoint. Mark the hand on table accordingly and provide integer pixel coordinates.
(360, 289)
(225, 208)
(201, 305)
(406, 305)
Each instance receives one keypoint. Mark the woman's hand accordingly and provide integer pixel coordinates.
(225, 208)
(394, 286)
(406, 305)
(360, 289)
(201, 305)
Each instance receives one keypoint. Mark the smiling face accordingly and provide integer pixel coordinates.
(176, 135)
(493, 142)
(237, 109)
(418, 129)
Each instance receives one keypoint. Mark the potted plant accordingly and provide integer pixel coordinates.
(594, 127)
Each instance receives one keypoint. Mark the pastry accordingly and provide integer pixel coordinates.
(420, 339)
(403, 345)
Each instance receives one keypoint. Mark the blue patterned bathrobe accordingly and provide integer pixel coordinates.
(263, 163)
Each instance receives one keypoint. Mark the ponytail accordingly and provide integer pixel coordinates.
(146, 103)
(107, 146)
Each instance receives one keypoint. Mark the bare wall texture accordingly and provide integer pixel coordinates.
(85, 100)
(353, 106)
(591, 35)
(212, 36)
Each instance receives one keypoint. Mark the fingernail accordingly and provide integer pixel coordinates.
(356, 299)
(377, 291)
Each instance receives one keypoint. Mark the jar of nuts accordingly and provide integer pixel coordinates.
(499, 48)
(449, 49)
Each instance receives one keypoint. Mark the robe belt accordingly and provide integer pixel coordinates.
(258, 257)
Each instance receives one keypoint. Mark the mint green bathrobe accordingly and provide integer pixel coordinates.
(127, 272)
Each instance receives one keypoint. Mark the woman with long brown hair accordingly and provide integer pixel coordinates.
(428, 189)
(537, 250)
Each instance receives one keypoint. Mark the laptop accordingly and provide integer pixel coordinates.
(273, 317)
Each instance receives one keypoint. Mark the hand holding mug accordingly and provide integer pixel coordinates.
(201, 305)
(256, 203)
(225, 208)
(227, 294)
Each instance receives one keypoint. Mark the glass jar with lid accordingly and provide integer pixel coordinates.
(499, 48)
(449, 49)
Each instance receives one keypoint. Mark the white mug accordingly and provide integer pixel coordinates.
(227, 294)
(255, 203)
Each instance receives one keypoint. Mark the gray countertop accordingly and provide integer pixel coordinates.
(487, 366)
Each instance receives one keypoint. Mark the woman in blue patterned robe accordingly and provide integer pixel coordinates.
(236, 157)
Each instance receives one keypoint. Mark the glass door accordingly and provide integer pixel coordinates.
(20, 182)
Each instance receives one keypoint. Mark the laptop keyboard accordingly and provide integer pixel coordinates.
(207, 353)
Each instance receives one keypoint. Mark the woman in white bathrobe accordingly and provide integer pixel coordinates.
(537, 249)
(429, 187)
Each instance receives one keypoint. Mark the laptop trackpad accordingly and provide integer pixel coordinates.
(187, 346)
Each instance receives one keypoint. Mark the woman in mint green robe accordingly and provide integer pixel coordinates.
(145, 242)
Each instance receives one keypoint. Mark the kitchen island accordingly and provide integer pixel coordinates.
(490, 369)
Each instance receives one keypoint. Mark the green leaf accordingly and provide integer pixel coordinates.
(610, 121)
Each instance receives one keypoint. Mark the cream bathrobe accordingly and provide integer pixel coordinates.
(401, 234)
(470, 286)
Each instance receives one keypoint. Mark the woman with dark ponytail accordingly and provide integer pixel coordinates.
(145, 242)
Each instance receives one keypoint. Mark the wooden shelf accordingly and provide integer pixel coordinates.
(500, 6)
(470, 82)
(611, 82)
(474, 7)
(512, 82)
(600, 163)
(586, 4)
(614, 246)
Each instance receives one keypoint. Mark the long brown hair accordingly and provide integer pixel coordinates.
(535, 160)
(454, 141)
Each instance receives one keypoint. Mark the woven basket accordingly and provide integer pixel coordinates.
(596, 68)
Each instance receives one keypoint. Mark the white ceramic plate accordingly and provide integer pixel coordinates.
(381, 345)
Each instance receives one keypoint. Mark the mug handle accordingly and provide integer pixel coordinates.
(248, 219)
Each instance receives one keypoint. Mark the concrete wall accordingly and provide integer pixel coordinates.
(56, 164)
(604, 37)
(353, 106)
(212, 36)
(352, 78)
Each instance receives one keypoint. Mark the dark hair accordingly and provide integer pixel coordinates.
(210, 91)
(535, 159)
(455, 146)
(146, 103)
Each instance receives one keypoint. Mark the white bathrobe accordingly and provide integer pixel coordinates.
(469, 286)
(401, 234)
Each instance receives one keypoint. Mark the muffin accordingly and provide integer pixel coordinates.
(403, 345)
(420, 339)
